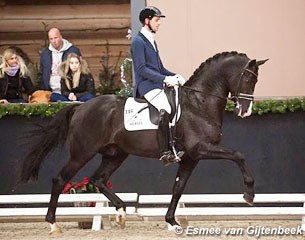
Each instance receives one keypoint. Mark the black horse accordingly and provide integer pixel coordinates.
(97, 127)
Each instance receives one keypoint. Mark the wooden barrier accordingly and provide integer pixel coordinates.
(24, 208)
(215, 206)
(290, 206)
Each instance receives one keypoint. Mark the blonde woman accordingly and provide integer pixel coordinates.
(77, 83)
(14, 78)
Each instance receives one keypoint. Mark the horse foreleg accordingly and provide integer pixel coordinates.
(218, 152)
(183, 174)
(102, 175)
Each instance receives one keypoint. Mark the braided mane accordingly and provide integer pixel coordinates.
(214, 58)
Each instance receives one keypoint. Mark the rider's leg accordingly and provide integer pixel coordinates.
(163, 136)
(158, 99)
(167, 156)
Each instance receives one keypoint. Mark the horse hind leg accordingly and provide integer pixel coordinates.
(101, 176)
(58, 184)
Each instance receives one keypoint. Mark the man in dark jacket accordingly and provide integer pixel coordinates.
(151, 77)
(50, 60)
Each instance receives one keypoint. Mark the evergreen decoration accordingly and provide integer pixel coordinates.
(260, 107)
(108, 74)
(28, 110)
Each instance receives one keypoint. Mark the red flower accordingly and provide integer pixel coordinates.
(109, 184)
(86, 180)
(67, 187)
(85, 186)
(78, 185)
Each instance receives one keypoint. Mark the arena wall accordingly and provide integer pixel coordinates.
(273, 145)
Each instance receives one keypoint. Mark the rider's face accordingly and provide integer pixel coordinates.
(155, 23)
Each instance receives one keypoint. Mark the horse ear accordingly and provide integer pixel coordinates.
(261, 62)
(252, 63)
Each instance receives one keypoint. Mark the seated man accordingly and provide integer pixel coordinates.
(50, 60)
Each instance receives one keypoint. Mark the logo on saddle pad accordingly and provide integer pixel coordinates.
(142, 116)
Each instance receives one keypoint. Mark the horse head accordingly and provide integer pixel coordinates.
(224, 73)
(243, 88)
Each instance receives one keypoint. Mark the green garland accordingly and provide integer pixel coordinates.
(28, 110)
(260, 107)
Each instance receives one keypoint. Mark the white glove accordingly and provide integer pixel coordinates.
(181, 79)
(171, 81)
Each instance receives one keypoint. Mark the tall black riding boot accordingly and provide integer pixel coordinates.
(166, 155)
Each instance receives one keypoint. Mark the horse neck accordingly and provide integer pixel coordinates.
(206, 94)
(199, 104)
(209, 87)
(218, 76)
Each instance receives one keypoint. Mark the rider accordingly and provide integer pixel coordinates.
(151, 77)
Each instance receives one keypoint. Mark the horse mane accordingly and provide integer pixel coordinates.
(211, 59)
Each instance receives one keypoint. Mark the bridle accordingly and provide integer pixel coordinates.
(238, 95)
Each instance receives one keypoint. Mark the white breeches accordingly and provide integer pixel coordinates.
(158, 99)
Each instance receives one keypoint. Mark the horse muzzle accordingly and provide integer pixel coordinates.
(239, 110)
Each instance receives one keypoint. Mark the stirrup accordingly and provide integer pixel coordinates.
(168, 157)
(177, 155)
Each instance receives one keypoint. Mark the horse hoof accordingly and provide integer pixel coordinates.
(55, 229)
(249, 199)
(175, 228)
(120, 218)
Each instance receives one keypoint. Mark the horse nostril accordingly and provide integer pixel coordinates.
(238, 110)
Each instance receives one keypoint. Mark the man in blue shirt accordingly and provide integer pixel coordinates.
(151, 77)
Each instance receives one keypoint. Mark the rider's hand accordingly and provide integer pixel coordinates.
(181, 79)
(171, 81)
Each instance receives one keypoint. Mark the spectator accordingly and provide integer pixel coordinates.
(50, 60)
(77, 83)
(13, 78)
(32, 70)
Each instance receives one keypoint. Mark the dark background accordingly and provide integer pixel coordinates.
(273, 145)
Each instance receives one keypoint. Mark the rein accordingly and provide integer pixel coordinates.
(204, 93)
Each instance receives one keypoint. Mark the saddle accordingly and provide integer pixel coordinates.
(139, 114)
(154, 113)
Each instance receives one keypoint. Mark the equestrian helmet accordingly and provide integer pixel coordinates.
(149, 12)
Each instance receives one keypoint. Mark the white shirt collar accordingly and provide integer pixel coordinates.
(149, 35)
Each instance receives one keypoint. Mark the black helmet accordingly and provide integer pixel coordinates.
(149, 12)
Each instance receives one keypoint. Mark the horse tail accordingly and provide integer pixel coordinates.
(48, 138)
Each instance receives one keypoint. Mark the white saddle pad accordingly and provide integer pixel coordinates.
(136, 116)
